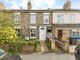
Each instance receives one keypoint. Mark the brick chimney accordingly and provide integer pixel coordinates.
(29, 5)
(67, 5)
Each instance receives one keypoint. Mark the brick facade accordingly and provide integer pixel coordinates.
(25, 24)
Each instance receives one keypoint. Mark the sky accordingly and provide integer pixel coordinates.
(39, 4)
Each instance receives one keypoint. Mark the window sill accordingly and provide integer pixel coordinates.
(32, 37)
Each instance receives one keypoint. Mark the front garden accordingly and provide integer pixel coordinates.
(22, 46)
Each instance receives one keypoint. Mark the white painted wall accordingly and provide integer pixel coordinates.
(66, 19)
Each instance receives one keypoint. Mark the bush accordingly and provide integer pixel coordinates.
(20, 45)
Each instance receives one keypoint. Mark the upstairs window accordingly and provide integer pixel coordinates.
(32, 18)
(71, 18)
(60, 18)
(46, 18)
(17, 18)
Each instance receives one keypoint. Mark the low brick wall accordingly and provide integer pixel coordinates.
(28, 48)
(24, 48)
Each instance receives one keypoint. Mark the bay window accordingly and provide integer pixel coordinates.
(74, 35)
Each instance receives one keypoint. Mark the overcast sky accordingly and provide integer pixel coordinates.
(39, 4)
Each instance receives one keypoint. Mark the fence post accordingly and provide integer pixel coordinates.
(66, 45)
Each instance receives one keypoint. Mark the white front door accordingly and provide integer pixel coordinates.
(42, 32)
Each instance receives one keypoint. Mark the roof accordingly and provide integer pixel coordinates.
(34, 11)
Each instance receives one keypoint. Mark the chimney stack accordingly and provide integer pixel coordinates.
(29, 5)
(67, 5)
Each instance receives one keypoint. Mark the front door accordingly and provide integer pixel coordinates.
(42, 32)
(60, 32)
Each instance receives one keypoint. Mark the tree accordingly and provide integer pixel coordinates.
(5, 21)
(7, 32)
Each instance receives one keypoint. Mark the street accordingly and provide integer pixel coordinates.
(48, 56)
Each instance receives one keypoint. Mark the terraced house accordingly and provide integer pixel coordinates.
(63, 24)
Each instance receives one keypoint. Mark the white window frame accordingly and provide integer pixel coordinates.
(33, 19)
(17, 20)
(34, 32)
(46, 16)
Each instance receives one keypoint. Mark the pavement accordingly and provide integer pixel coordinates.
(48, 56)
